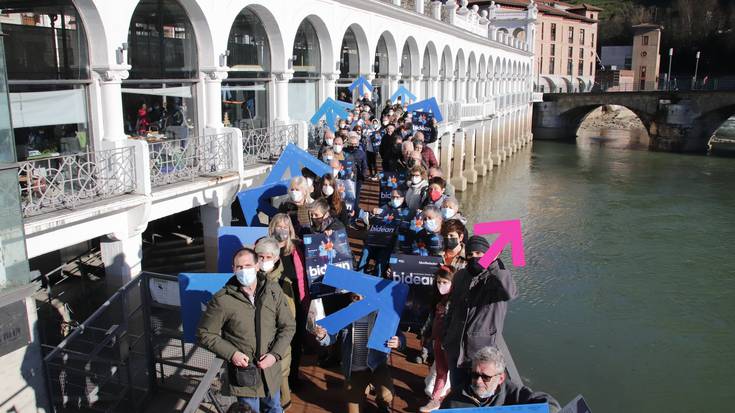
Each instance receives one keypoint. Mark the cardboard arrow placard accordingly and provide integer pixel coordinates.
(427, 105)
(509, 233)
(361, 83)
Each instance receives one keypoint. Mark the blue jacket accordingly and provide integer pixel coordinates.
(375, 358)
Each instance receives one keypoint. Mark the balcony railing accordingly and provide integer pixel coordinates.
(69, 181)
(178, 160)
(267, 144)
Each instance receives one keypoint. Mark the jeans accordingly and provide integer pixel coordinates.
(266, 404)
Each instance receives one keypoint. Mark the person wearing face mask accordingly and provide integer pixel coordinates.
(489, 386)
(253, 348)
(269, 251)
(432, 332)
(372, 138)
(416, 187)
(322, 222)
(327, 144)
(453, 234)
(334, 198)
(479, 304)
(389, 154)
(297, 205)
(395, 212)
(437, 172)
(338, 148)
(359, 161)
(450, 210)
(429, 240)
(434, 194)
(427, 155)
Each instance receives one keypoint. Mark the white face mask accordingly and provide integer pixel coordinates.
(448, 213)
(329, 158)
(444, 288)
(327, 190)
(416, 180)
(329, 142)
(430, 225)
(296, 195)
(246, 276)
(337, 148)
(396, 202)
(267, 266)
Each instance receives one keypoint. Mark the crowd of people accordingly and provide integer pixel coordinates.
(259, 322)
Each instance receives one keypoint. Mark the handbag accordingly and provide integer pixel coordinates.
(249, 376)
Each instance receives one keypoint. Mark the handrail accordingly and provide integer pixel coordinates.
(203, 388)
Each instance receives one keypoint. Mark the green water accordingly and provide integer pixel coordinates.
(628, 293)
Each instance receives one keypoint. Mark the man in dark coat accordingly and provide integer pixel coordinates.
(229, 329)
(479, 303)
(491, 387)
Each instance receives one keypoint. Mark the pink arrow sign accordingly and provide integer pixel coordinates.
(510, 232)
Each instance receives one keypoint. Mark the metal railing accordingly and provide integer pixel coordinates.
(68, 181)
(132, 345)
(267, 144)
(176, 160)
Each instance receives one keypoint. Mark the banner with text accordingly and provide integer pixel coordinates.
(322, 250)
(418, 273)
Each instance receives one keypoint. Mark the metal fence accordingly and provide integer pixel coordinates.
(69, 181)
(176, 160)
(129, 348)
(267, 144)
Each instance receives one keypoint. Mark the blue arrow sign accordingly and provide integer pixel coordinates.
(384, 296)
(427, 105)
(331, 110)
(361, 83)
(195, 291)
(258, 199)
(404, 94)
(231, 239)
(292, 160)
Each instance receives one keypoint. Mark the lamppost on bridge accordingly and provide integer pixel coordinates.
(668, 77)
(696, 68)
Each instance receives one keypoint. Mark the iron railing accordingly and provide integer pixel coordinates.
(68, 181)
(176, 160)
(267, 144)
(132, 345)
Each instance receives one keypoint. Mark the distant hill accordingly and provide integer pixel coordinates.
(689, 26)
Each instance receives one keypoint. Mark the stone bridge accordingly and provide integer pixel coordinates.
(676, 121)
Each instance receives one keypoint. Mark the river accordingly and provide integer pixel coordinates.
(628, 293)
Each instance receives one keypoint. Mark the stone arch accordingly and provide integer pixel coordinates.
(363, 47)
(472, 64)
(550, 86)
(568, 86)
(390, 43)
(430, 60)
(413, 51)
(279, 61)
(447, 63)
(98, 51)
(203, 33)
(708, 123)
(575, 116)
(460, 65)
(326, 46)
(520, 34)
(581, 84)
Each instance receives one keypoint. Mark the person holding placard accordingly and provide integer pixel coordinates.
(297, 206)
(337, 205)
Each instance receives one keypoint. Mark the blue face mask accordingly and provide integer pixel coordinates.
(431, 225)
(246, 276)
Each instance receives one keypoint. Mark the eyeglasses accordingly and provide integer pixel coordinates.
(484, 377)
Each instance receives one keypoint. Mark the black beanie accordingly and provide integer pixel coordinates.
(477, 243)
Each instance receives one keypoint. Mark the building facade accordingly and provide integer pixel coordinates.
(125, 112)
(565, 42)
(646, 59)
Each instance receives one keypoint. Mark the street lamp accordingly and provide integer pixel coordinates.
(696, 68)
(668, 77)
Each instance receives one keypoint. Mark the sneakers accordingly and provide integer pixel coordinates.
(432, 405)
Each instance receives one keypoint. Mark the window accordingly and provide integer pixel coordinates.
(570, 66)
(553, 32)
(553, 50)
(593, 40)
(551, 66)
(643, 72)
(542, 30)
(580, 68)
(570, 37)
(592, 69)
(570, 52)
(581, 54)
(581, 37)
(645, 40)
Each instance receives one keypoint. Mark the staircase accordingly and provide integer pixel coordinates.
(173, 254)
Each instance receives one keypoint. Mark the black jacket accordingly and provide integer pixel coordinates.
(388, 152)
(359, 164)
(477, 313)
(507, 394)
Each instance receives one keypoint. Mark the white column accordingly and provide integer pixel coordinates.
(471, 90)
(419, 7)
(393, 86)
(416, 83)
(497, 141)
(459, 181)
(451, 6)
(213, 95)
(113, 125)
(281, 96)
(489, 144)
(480, 142)
(445, 156)
(436, 9)
(330, 85)
(434, 86)
(461, 89)
(122, 257)
(213, 218)
(504, 136)
(470, 173)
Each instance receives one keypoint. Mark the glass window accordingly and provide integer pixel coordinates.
(161, 41)
(581, 36)
(303, 87)
(570, 65)
(645, 40)
(47, 69)
(581, 54)
(553, 50)
(7, 142)
(571, 34)
(406, 63)
(580, 68)
(381, 59)
(158, 99)
(349, 67)
(553, 32)
(551, 66)
(245, 92)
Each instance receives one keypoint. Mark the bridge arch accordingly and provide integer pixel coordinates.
(709, 123)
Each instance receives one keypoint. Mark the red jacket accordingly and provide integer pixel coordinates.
(427, 155)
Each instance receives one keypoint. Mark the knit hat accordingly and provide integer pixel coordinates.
(477, 243)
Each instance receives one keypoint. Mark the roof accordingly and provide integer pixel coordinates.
(648, 26)
(542, 8)
(585, 6)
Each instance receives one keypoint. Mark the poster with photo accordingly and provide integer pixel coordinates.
(322, 250)
(418, 273)
(424, 122)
